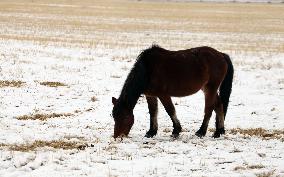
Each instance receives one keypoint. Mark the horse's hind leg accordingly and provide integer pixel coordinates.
(168, 105)
(153, 110)
(210, 97)
(219, 118)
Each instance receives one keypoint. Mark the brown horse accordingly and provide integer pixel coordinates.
(160, 73)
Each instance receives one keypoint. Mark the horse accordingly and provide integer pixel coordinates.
(160, 73)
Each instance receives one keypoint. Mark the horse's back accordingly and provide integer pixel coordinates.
(183, 72)
(192, 56)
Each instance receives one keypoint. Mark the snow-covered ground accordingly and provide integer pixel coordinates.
(93, 62)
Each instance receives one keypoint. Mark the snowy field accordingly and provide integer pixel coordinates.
(61, 62)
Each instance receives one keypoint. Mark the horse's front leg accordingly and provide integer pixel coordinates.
(169, 106)
(153, 110)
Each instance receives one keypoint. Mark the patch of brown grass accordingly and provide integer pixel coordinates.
(259, 132)
(121, 16)
(94, 99)
(265, 174)
(52, 84)
(115, 76)
(13, 83)
(239, 168)
(259, 166)
(70, 137)
(43, 117)
(56, 144)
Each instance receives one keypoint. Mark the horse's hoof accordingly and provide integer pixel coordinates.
(216, 135)
(176, 131)
(219, 132)
(175, 135)
(150, 134)
(200, 133)
(222, 131)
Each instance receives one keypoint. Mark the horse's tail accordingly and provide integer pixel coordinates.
(226, 86)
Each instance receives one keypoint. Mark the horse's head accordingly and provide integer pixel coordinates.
(123, 119)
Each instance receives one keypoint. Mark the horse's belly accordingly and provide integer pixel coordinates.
(182, 93)
(183, 90)
(174, 88)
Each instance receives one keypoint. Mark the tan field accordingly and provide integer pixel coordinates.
(120, 23)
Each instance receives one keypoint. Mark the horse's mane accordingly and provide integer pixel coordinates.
(153, 47)
(135, 83)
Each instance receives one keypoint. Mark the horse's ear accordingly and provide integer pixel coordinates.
(114, 101)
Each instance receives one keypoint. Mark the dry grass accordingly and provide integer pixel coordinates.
(249, 167)
(94, 99)
(245, 27)
(266, 174)
(72, 137)
(255, 166)
(239, 168)
(43, 117)
(13, 83)
(56, 144)
(52, 84)
(115, 76)
(259, 132)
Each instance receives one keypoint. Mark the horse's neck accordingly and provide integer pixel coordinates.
(130, 94)
(134, 85)
(129, 99)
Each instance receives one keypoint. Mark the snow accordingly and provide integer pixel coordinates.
(134, 156)
(256, 101)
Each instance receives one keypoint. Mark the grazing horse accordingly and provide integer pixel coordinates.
(160, 73)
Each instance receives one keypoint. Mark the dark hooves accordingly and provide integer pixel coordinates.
(150, 134)
(175, 135)
(200, 133)
(176, 131)
(216, 135)
(219, 132)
